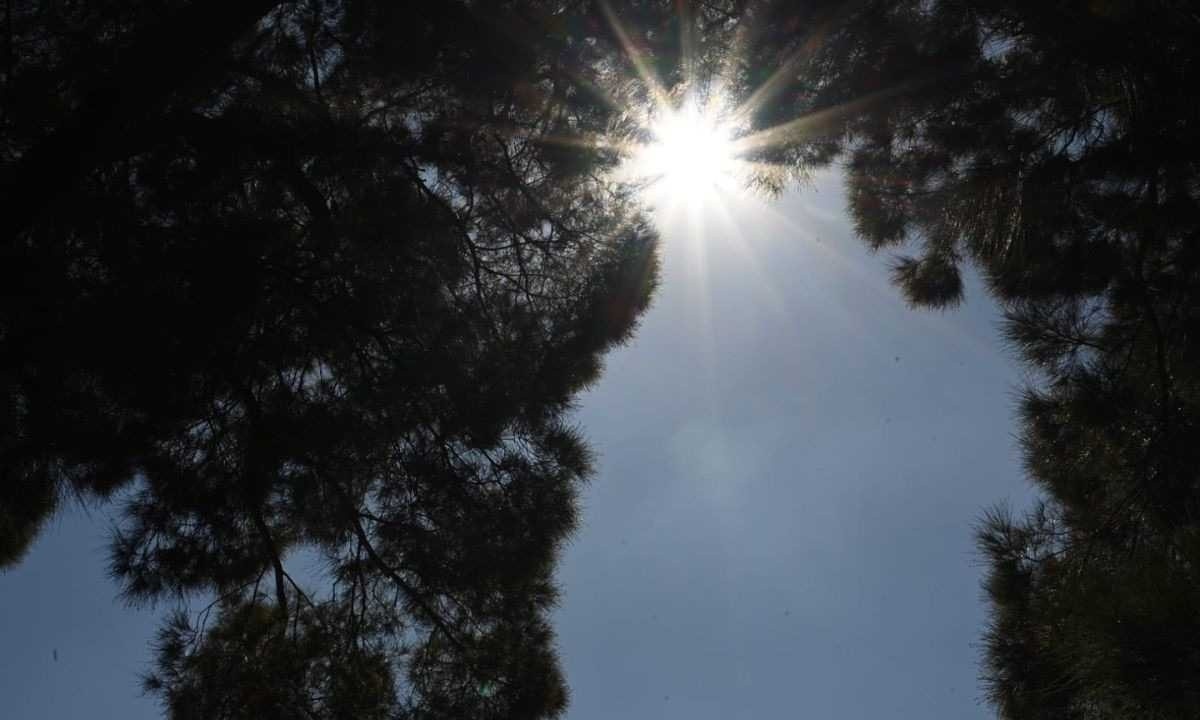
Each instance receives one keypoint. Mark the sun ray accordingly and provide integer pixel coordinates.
(657, 92)
(812, 124)
(701, 300)
(624, 148)
(785, 133)
(742, 246)
(737, 44)
(771, 87)
(687, 54)
(687, 42)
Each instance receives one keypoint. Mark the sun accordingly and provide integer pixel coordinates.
(692, 154)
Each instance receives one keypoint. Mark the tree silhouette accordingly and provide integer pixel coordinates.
(1054, 147)
(317, 279)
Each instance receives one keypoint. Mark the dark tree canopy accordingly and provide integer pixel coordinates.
(317, 279)
(1056, 148)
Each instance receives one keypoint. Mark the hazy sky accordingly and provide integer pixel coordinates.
(791, 461)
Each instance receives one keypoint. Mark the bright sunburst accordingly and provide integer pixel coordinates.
(698, 152)
(692, 153)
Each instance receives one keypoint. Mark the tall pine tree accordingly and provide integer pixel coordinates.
(318, 278)
(1053, 146)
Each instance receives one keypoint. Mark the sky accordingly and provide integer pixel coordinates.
(791, 461)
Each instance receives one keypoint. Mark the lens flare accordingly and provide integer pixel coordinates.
(691, 155)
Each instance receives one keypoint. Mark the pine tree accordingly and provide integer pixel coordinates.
(1054, 147)
(318, 279)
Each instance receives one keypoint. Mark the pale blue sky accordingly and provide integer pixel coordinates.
(790, 464)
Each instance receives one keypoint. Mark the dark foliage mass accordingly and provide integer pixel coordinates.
(316, 280)
(1054, 147)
